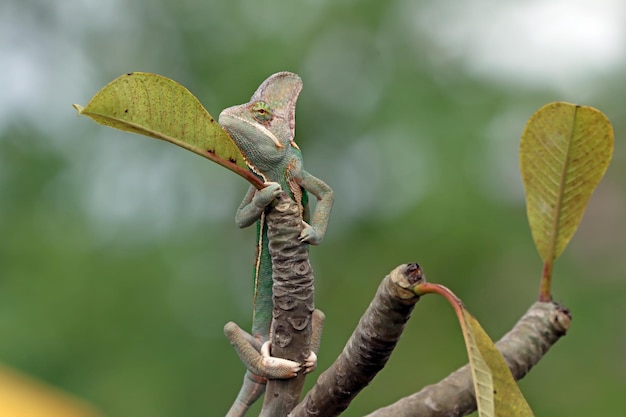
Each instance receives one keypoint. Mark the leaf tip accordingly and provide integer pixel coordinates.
(78, 108)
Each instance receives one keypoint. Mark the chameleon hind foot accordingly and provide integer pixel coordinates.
(310, 363)
(257, 358)
(278, 367)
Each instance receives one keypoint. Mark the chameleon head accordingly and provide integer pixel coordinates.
(264, 128)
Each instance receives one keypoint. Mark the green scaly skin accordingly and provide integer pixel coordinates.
(263, 129)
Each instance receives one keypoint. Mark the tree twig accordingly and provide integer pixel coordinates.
(292, 290)
(369, 347)
(531, 338)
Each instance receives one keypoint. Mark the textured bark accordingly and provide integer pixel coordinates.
(293, 303)
(540, 328)
(369, 347)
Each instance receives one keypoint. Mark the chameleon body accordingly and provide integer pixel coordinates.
(264, 130)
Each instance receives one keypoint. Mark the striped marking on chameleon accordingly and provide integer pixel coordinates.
(259, 250)
(263, 129)
(294, 187)
(253, 169)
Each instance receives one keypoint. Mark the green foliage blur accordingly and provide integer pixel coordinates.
(119, 258)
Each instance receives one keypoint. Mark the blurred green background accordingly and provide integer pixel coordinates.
(119, 258)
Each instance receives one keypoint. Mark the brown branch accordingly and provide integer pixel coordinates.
(369, 347)
(531, 338)
(375, 337)
(292, 290)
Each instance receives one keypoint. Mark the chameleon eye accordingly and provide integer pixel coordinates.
(261, 111)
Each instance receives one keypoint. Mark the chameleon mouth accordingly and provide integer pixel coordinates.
(263, 129)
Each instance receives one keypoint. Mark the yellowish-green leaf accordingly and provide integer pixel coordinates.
(497, 393)
(155, 106)
(564, 153)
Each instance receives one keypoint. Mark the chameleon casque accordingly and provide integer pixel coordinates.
(264, 130)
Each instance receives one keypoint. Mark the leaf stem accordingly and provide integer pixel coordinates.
(545, 294)
(430, 288)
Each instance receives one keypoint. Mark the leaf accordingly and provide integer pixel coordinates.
(155, 106)
(564, 153)
(24, 396)
(497, 393)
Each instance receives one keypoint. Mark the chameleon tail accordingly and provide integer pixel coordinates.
(252, 388)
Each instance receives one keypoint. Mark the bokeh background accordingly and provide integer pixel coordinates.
(119, 258)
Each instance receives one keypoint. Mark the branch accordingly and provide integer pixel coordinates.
(531, 338)
(292, 290)
(375, 337)
(369, 347)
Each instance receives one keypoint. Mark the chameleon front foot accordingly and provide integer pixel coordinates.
(309, 234)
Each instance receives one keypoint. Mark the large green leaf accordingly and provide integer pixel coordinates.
(155, 106)
(565, 151)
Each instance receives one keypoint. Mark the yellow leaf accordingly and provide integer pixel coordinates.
(564, 153)
(497, 393)
(24, 396)
(155, 106)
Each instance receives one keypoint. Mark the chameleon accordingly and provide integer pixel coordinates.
(264, 130)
